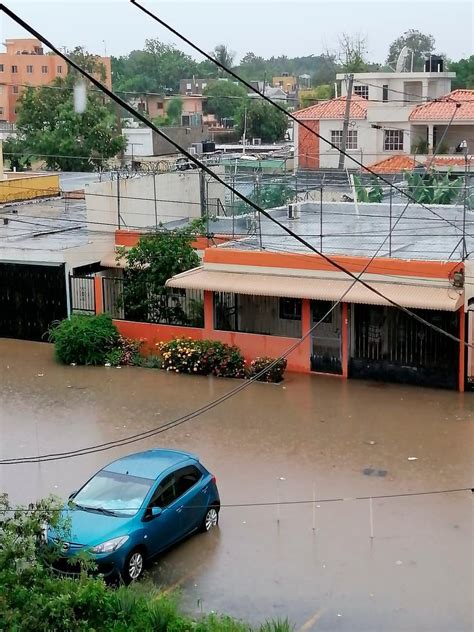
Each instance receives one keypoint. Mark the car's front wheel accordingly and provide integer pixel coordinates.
(210, 519)
(134, 566)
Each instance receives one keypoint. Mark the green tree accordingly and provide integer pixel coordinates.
(224, 98)
(464, 69)
(154, 260)
(224, 56)
(263, 121)
(49, 127)
(323, 92)
(420, 44)
(174, 111)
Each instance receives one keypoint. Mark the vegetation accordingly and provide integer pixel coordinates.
(434, 188)
(33, 599)
(84, 339)
(126, 352)
(371, 194)
(224, 99)
(420, 44)
(274, 374)
(323, 92)
(173, 114)
(464, 70)
(262, 121)
(202, 357)
(267, 196)
(154, 260)
(353, 54)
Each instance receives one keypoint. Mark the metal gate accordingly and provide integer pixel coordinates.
(82, 293)
(390, 345)
(326, 345)
(31, 298)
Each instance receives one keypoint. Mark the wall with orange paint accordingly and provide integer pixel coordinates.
(308, 146)
(251, 345)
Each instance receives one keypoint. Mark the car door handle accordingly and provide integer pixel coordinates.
(180, 509)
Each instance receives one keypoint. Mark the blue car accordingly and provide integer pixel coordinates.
(135, 508)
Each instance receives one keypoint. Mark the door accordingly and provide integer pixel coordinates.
(326, 345)
(193, 498)
(163, 530)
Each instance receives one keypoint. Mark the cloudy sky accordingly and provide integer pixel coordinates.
(265, 27)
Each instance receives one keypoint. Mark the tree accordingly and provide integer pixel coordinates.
(224, 98)
(263, 121)
(49, 127)
(420, 44)
(154, 260)
(323, 92)
(352, 54)
(174, 111)
(464, 69)
(224, 56)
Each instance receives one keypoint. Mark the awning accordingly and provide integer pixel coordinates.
(111, 261)
(290, 286)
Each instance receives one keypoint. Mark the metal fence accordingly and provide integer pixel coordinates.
(171, 307)
(82, 293)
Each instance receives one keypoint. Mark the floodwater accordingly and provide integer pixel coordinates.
(308, 437)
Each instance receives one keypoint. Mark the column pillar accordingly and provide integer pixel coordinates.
(208, 311)
(99, 295)
(345, 339)
(305, 327)
(430, 139)
(462, 336)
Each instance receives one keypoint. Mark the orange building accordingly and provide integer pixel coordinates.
(26, 64)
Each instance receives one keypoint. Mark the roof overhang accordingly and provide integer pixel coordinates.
(290, 286)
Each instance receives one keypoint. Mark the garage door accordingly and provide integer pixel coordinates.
(31, 298)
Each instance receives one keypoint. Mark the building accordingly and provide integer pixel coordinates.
(26, 64)
(380, 119)
(143, 141)
(194, 86)
(286, 82)
(276, 94)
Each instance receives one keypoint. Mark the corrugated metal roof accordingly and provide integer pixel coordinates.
(413, 296)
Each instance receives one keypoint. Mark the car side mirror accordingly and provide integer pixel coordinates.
(156, 511)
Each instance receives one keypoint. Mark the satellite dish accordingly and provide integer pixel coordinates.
(400, 67)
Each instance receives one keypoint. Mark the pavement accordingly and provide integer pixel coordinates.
(309, 437)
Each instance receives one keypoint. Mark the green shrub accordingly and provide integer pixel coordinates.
(83, 339)
(150, 362)
(203, 357)
(275, 374)
(126, 352)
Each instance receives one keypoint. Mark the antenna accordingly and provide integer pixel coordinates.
(400, 67)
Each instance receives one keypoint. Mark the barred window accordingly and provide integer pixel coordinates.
(393, 140)
(336, 138)
(362, 91)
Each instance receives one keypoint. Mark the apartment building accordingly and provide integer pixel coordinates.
(25, 63)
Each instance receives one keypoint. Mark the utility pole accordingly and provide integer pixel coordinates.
(463, 145)
(244, 139)
(345, 128)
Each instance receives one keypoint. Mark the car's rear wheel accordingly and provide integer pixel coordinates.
(211, 518)
(134, 566)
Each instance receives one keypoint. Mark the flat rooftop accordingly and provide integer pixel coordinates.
(343, 229)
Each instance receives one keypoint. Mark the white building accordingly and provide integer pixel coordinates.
(379, 119)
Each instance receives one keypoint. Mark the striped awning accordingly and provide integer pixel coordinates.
(291, 286)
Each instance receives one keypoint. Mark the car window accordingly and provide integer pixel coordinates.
(186, 478)
(165, 492)
(121, 493)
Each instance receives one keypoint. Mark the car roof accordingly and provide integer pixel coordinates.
(149, 464)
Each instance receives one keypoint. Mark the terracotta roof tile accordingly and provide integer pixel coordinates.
(442, 110)
(334, 109)
(402, 162)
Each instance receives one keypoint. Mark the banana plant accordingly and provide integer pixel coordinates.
(371, 194)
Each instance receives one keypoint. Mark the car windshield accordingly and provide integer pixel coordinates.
(120, 494)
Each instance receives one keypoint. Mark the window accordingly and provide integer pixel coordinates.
(1, 111)
(14, 69)
(320, 309)
(29, 70)
(186, 478)
(1, 67)
(385, 92)
(393, 140)
(351, 142)
(15, 89)
(44, 70)
(362, 91)
(290, 308)
(189, 86)
(204, 84)
(165, 492)
(60, 70)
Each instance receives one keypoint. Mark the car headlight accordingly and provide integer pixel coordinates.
(110, 546)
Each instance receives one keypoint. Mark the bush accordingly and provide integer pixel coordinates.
(126, 352)
(275, 374)
(83, 339)
(203, 357)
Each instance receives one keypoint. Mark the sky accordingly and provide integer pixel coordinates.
(276, 27)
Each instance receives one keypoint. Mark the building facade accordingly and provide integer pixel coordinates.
(26, 64)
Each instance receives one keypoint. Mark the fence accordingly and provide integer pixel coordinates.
(82, 293)
(144, 304)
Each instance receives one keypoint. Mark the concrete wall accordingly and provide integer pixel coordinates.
(28, 187)
(177, 197)
(184, 136)
(139, 141)
(403, 86)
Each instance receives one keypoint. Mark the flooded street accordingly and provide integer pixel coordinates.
(308, 437)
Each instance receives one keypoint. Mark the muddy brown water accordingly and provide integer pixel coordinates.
(309, 435)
